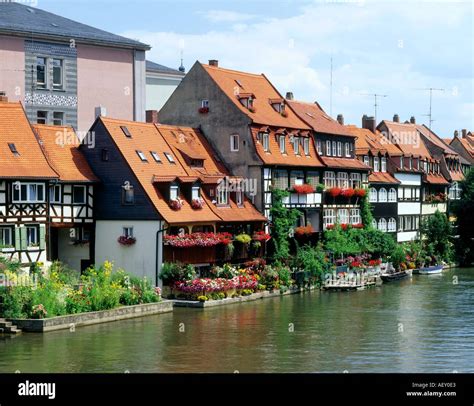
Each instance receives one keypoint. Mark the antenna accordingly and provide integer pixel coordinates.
(431, 103)
(375, 95)
(330, 92)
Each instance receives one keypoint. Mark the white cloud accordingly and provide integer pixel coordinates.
(224, 16)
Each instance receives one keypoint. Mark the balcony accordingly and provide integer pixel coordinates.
(431, 207)
(303, 200)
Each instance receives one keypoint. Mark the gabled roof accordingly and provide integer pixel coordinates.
(430, 135)
(435, 179)
(156, 67)
(317, 119)
(411, 142)
(347, 163)
(382, 177)
(60, 146)
(233, 82)
(15, 129)
(23, 20)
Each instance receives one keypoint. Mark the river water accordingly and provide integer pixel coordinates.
(425, 324)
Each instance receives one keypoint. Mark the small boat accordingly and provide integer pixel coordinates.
(395, 276)
(430, 270)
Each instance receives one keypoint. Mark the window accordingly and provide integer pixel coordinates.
(329, 179)
(355, 216)
(41, 72)
(234, 142)
(205, 104)
(339, 148)
(127, 232)
(280, 179)
(57, 73)
(266, 142)
(416, 222)
(155, 156)
(312, 178)
(222, 196)
(372, 195)
(55, 194)
(383, 195)
(328, 148)
(408, 195)
(401, 162)
(282, 143)
(343, 216)
(141, 156)
(28, 192)
(392, 195)
(174, 191)
(343, 180)
(239, 197)
(296, 178)
(407, 223)
(366, 160)
(319, 147)
(296, 145)
(125, 130)
(128, 195)
(374, 223)
(105, 154)
(384, 164)
(334, 148)
(355, 180)
(195, 192)
(347, 150)
(13, 149)
(42, 117)
(6, 238)
(410, 162)
(32, 236)
(376, 164)
(58, 118)
(329, 217)
(306, 146)
(169, 157)
(455, 191)
(383, 225)
(79, 194)
(392, 225)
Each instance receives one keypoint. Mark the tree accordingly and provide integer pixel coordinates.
(463, 210)
(283, 223)
(436, 232)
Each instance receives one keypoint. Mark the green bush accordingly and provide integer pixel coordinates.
(173, 272)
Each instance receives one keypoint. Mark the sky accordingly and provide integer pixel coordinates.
(393, 48)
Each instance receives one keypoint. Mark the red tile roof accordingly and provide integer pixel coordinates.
(60, 146)
(382, 177)
(447, 150)
(435, 179)
(15, 129)
(275, 157)
(347, 163)
(456, 176)
(317, 119)
(232, 83)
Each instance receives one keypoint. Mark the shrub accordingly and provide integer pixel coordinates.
(172, 272)
(243, 238)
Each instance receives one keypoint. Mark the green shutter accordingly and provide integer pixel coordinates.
(17, 238)
(23, 242)
(42, 236)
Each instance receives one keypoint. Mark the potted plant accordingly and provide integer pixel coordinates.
(334, 191)
(347, 192)
(176, 204)
(303, 189)
(126, 240)
(203, 110)
(197, 203)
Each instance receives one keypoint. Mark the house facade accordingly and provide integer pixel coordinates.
(161, 82)
(61, 69)
(159, 193)
(463, 144)
(255, 133)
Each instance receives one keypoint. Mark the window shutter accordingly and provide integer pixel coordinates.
(42, 237)
(17, 232)
(23, 242)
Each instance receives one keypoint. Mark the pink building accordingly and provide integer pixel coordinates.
(64, 71)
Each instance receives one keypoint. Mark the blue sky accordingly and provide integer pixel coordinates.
(387, 47)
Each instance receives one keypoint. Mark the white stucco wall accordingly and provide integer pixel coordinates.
(430, 208)
(159, 89)
(406, 236)
(71, 254)
(409, 208)
(409, 179)
(138, 259)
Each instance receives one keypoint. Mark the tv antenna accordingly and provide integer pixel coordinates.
(431, 89)
(375, 96)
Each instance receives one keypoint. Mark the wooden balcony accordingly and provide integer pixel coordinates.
(303, 200)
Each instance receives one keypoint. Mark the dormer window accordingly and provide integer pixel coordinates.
(266, 142)
(410, 162)
(282, 143)
(296, 145)
(384, 164)
(376, 164)
(196, 163)
(347, 150)
(319, 147)
(169, 157)
(155, 156)
(174, 192)
(306, 146)
(339, 148)
(328, 148)
(401, 162)
(195, 192)
(142, 156)
(222, 196)
(239, 197)
(334, 148)
(366, 160)
(234, 142)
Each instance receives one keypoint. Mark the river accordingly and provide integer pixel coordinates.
(425, 324)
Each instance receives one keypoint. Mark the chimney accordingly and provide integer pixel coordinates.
(100, 111)
(396, 118)
(412, 120)
(340, 119)
(456, 133)
(368, 123)
(289, 96)
(3, 97)
(464, 133)
(152, 116)
(214, 62)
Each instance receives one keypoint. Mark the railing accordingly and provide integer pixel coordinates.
(299, 199)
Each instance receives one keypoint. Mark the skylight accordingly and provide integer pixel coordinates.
(13, 149)
(155, 156)
(142, 156)
(169, 157)
(239, 83)
(126, 131)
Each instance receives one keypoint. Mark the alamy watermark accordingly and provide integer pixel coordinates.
(249, 186)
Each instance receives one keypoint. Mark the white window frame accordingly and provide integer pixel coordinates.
(376, 164)
(234, 142)
(205, 103)
(382, 225)
(354, 216)
(355, 180)
(58, 121)
(30, 186)
(339, 148)
(282, 143)
(373, 195)
(169, 157)
(366, 160)
(141, 155)
(32, 235)
(334, 148)
(195, 192)
(343, 216)
(174, 192)
(42, 85)
(392, 195)
(222, 196)
(391, 225)
(383, 195)
(156, 157)
(57, 86)
(239, 198)
(342, 179)
(383, 164)
(319, 147)
(52, 194)
(296, 145)
(330, 179)
(306, 145)
(329, 217)
(6, 236)
(328, 148)
(347, 150)
(127, 231)
(266, 142)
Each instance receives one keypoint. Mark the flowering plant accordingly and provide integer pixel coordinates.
(334, 191)
(360, 192)
(39, 312)
(243, 238)
(176, 204)
(348, 192)
(358, 225)
(252, 109)
(198, 240)
(303, 189)
(203, 110)
(304, 230)
(284, 113)
(197, 203)
(124, 240)
(261, 236)
(375, 262)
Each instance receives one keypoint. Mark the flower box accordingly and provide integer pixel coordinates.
(198, 240)
(334, 191)
(126, 241)
(197, 204)
(304, 230)
(348, 192)
(284, 113)
(8, 249)
(176, 204)
(261, 236)
(203, 110)
(303, 189)
(360, 192)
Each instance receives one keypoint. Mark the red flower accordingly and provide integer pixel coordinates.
(300, 231)
(303, 189)
(358, 225)
(345, 226)
(359, 192)
(197, 203)
(261, 236)
(349, 192)
(334, 191)
(330, 227)
(204, 110)
(123, 240)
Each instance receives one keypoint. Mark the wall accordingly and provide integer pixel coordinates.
(430, 208)
(105, 77)
(159, 89)
(12, 65)
(406, 236)
(409, 208)
(409, 179)
(68, 253)
(138, 259)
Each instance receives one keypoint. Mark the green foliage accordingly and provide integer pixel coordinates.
(312, 260)
(16, 302)
(173, 272)
(243, 238)
(463, 210)
(366, 211)
(378, 243)
(398, 256)
(284, 275)
(436, 231)
(283, 222)
(340, 242)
